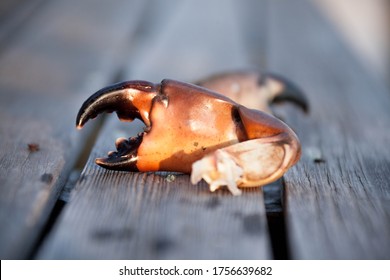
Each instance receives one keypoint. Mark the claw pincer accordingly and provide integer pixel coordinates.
(191, 129)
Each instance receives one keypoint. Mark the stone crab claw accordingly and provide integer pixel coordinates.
(255, 89)
(192, 129)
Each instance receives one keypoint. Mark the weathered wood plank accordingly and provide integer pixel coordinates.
(338, 196)
(13, 16)
(119, 215)
(45, 71)
(207, 41)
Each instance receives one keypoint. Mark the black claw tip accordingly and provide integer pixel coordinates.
(125, 158)
(289, 92)
(113, 98)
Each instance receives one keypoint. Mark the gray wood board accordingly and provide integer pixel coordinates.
(48, 68)
(14, 14)
(338, 195)
(119, 215)
(122, 215)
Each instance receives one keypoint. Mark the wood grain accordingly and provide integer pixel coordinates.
(119, 215)
(122, 215)
(46, 70)
(338, 196)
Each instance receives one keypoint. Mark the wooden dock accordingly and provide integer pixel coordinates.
(55, 203)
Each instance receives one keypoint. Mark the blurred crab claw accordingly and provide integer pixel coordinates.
(256, 90)
(192, 129)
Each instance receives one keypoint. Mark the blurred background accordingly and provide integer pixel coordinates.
(363, 25)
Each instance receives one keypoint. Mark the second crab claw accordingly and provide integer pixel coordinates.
(191, 129)
(255, 89)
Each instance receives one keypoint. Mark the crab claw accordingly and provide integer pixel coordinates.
(192, 129)
(262, 159)
(130, 100)
(257, 90)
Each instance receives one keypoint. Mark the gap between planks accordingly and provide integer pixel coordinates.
(337, 196)
(32, 179)
(124, 215)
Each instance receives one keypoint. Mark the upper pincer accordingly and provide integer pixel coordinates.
(130, 100)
